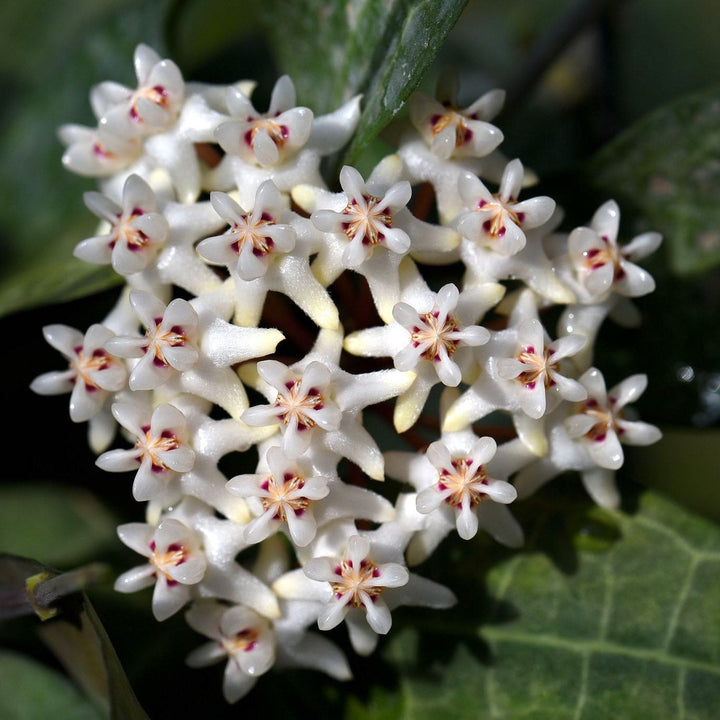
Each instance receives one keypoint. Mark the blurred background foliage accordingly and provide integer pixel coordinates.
(606, 98)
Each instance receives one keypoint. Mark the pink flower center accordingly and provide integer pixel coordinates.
(436, 333)
(365, 219)
(159, 340)
(293, 404)
(465, 481)
(84, 365)
(283, 494)
(596, 258)
(153, 447)
(243, 641)
(277, 133)
(605, 416)
(539, 367)
(175, 554)
(439, 122)
(356, 582)
(253, 231)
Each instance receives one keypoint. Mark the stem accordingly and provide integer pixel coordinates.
(45, 589)
(552, 44)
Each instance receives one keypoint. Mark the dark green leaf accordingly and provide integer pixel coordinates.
(630, 632)
(417, 31)
(32, 691)
(335, 50)
(667, 168)
(62, 526)
(71, 628)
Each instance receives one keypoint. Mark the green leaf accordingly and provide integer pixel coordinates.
(630, 632)
(71, 628)
(335, 50)
(667, 168)
(418, 30)
(33, 691)
(62, 526)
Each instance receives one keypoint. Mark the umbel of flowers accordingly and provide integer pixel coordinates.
(205, 205)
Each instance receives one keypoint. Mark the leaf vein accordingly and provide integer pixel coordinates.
(679, 541)
(680, 604)
(599, 647)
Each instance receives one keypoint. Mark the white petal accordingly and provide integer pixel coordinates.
(136, 579)
(606, 220)
(321, 569)
(629, 390)
(265, 149)
(428, 500)
(483, 450)
(512, 180)
(352, 183)
(328, 220)
(391, 575)
(600, 279)
(579, 425)
(443, 144)
(638, 433)
(378, 616)
(607, 453)
(448, 370)
(302, 527)
(333, 613)
(501, 491)
(535, 211)
(261, 416)
(568, 389)
(262, 527)
(358, 549)
(119, 460)
(600, 484)
(236, 683)
(439, 455)
(634, 282)
(467, 522)
(283, 95)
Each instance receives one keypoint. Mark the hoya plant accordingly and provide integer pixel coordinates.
(356, 386)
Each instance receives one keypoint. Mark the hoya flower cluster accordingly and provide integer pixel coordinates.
(205, 205)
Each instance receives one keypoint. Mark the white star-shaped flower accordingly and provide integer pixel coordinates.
(369, 229)
(601, 265)
(161, 452)
(523, 373)
(315, 402)
(137, 230)
(94, 152)
(452, 131)
(461, 484)
(267, 249)
(498, 220)
(176, 562)
(295, 494)
(358, 579)
(93, 373)
(239, 635)
(588, 438)
(430, 336)
(188, 342)
(151, 107)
